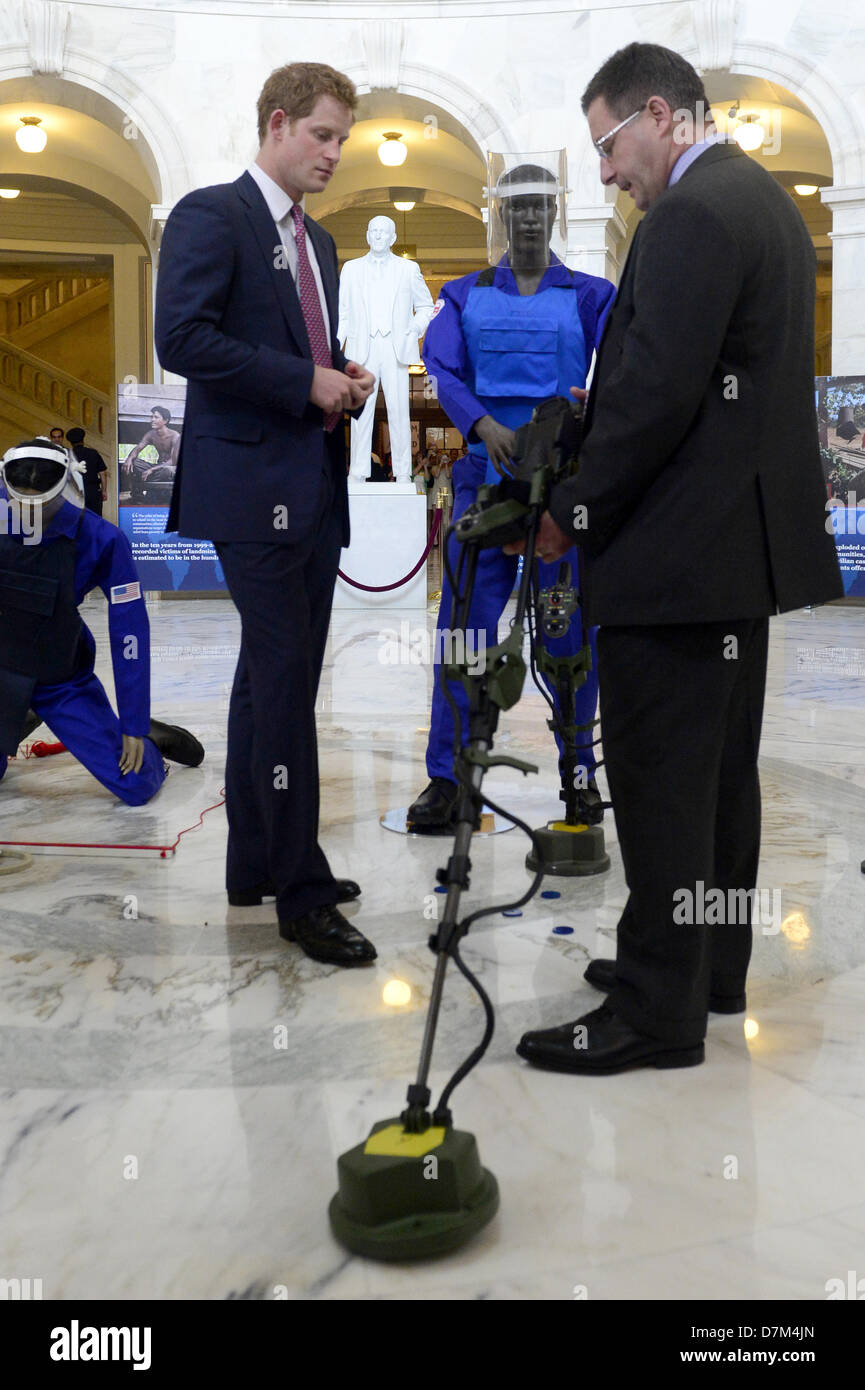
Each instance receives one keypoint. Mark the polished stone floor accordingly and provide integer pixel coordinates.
(157, 1142)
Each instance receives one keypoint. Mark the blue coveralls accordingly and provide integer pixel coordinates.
(78, 711)
(496, 352)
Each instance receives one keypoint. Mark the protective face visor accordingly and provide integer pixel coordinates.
(41, 451)
(526, 195)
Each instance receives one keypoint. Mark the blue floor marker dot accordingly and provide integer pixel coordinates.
(512, 912)
(563, 931)
(550, 893)
(440, 889)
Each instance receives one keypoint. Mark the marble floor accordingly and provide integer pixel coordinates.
(157, 1143)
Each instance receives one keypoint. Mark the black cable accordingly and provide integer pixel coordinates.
(442, 1112)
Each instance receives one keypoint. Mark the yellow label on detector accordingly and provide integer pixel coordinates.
(563, 825)
(394, 1142)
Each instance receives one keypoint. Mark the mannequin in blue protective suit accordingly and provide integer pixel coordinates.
(52, 553)
(502, 340)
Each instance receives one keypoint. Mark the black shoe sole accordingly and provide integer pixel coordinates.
(663, 1061)
(437, 828)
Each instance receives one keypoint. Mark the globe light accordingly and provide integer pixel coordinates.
(9, 192)
(30, 139)
(749, 134)
(752, 1028)
(805, 190)
(403, 207)
(391, 151)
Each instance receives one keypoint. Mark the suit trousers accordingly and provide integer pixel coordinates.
(283, 593)
(393, 380)
(681, 710)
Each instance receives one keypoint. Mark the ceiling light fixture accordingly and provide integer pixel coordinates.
(403, 207)
(391, 151)
(805, 190)
(31, 139)
(749, 134)
(9, 192)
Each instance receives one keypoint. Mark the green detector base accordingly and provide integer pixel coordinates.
(573, 851)
(411, 1196)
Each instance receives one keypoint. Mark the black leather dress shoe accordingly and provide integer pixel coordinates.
(176, 744)
(324, 934)
(602, 974)
(346, 892)
(432, 813)
(602, 1043)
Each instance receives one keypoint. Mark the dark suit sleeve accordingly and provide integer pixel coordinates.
(196, 264)
(687, 278)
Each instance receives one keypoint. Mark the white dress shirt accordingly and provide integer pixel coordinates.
(280, 204)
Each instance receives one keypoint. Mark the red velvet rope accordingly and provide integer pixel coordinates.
(382, 588)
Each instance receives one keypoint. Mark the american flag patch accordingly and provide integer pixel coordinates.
(125, 593)
(438, 306)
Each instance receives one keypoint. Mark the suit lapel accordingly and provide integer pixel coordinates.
(267, 236)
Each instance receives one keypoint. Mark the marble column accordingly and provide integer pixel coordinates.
(595, 239)
(158, 218)
(848, 278)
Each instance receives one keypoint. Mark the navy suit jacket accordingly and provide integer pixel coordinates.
(228, 318)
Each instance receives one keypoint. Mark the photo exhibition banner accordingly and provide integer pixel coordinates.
(149, 426)
(841, 422)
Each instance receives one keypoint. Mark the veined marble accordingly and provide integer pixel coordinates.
(157, 1142)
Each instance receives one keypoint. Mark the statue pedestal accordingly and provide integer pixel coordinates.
(388, 537)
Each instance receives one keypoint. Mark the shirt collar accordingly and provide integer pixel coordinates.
(693, 152)
(278, 201)
(556, 273)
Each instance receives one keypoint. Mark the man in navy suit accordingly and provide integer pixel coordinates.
(247, 311)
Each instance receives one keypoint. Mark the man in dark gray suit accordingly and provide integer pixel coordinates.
(699, 505)
(246, 309)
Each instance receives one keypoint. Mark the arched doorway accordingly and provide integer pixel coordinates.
(76, 259)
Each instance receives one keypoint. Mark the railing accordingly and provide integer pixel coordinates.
(40, 297)
(61, 398)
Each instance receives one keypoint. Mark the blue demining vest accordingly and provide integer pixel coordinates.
(522, 348)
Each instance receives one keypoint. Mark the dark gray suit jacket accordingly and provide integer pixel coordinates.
(700, 472)
(228, 318)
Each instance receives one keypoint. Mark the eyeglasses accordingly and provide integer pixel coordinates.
(610, 135)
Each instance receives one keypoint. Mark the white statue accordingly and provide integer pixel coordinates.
(384, 308)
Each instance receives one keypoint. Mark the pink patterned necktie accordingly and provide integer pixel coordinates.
(310, 305)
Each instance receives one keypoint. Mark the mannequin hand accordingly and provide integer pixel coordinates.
(132, 756)
(499, 441)
(551, 543)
